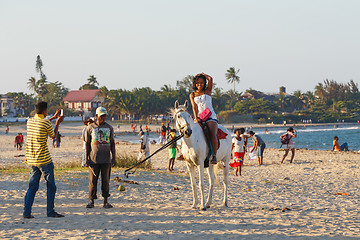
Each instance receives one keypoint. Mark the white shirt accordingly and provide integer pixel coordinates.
(146, 141)
(238, 145)
(204, 101)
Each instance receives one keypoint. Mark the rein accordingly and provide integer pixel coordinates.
(127, 171)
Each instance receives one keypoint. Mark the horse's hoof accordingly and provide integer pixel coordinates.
(203, 209)
(225, 205)
(207, 205)
(193, 207)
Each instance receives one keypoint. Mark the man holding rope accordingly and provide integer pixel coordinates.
(99, 138)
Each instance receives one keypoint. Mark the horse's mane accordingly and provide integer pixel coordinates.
(174, 111)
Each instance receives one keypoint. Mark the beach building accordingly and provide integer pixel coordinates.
(83, 101)
(7, 106)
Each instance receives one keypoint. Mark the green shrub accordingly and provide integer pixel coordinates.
(127, 161)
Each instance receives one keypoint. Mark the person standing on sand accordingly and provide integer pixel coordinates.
(238, 148)
(172, 150)
(163, 134)
(99, 138)
(259, 146)
(144, 146)
(86, 123)
(290, 146)
(19, 140)
(39, 159)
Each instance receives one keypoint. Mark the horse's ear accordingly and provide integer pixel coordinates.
(176, 104)
(186, 104)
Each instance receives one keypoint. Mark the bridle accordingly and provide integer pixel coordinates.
(181, 127)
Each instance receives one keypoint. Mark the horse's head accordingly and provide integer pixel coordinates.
(182, 118)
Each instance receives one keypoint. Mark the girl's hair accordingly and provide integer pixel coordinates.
(251, 133)
(290, 129)
(196, 78)
(242, 130)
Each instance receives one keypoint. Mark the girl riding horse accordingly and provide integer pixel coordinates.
(201, 101)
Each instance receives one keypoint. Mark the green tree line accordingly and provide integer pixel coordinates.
(330, 100)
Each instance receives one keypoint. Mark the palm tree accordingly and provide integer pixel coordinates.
(39, 66)
(166, 88)
(92, 80)
(232, 77)
(32, 84)
(103, 93)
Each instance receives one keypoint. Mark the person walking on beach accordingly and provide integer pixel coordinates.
(19, 140)
(202, 107)
(144, 146)
(39, 159)
(99, 156)
(86, 123)
(259, 146)
(172, 150)
(7, 130)
(337, 147)
(287, 138)
(238, 148)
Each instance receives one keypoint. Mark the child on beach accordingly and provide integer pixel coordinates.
(19, 140)
(162, 134)
(290, 145)
(238, 148)
(172, 150)
(144, 146)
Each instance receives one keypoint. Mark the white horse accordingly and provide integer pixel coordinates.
(195, 150)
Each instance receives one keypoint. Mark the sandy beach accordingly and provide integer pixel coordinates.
(316, 197)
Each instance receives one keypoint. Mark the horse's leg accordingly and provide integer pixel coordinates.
(226, 179)
(211, 188)
(201, 186)
(191, 169)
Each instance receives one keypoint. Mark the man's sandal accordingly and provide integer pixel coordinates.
(90, 205)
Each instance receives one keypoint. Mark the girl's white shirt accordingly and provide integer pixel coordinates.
(205, 101)
(238, 145)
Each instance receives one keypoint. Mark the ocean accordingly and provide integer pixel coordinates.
(314, 137)
(309, 137)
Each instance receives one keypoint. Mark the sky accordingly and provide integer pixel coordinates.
(143, 43)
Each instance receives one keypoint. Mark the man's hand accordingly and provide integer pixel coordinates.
(87, 163)
(113, 162)
(57, 113)
(59, 120)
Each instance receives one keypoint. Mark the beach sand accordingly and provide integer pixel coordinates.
(272, 201)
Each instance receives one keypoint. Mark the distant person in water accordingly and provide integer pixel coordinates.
(337, 147)
(288, 136)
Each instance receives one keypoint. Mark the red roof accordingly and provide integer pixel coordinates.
(81, 95)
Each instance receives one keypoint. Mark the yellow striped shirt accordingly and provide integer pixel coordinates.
(38, 131)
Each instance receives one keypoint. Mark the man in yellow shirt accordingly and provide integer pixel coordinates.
(39, 159)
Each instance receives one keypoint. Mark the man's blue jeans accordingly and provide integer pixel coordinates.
(35, 175)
